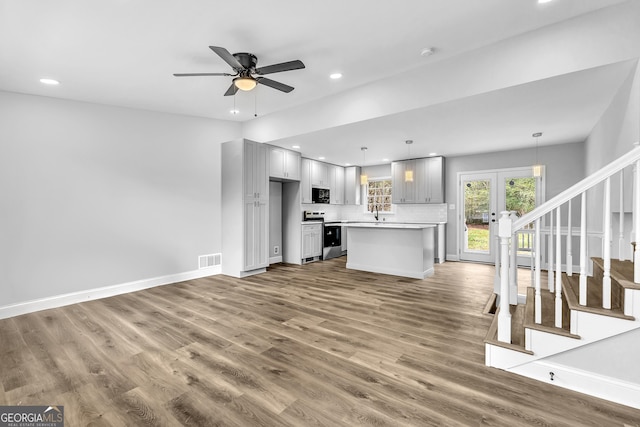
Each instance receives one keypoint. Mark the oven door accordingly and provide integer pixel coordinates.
(332, 241)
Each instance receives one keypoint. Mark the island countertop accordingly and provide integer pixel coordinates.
(389, 225)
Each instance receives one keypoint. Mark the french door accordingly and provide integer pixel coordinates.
(483, 195)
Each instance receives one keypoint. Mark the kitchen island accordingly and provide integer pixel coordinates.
(391, 248)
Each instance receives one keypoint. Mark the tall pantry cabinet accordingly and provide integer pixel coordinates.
(245, 208)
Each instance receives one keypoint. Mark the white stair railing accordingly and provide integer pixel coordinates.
(509, 228)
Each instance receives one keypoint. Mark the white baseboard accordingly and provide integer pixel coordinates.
(103, 292)
(452, 257)
(603, 387)
(275, 259)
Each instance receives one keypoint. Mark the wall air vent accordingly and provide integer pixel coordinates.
(212, 260)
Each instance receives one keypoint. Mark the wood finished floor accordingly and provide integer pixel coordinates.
(298, 346)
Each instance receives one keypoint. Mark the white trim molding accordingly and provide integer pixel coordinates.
(103, 292)
(604, 387)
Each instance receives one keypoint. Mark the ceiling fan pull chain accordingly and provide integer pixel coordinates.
(255, 104)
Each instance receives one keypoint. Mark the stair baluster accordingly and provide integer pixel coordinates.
(550, 277)
(513, 271)
(583, 250)
(538, 299)
(569, 267)
(621, 245)
(558, 316)
(606, 242)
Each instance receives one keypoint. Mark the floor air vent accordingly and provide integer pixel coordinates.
(212, 260)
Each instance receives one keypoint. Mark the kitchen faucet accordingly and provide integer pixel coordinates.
(376, 214)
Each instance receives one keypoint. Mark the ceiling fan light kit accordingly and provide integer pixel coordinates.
(245, 83)
(244, 65)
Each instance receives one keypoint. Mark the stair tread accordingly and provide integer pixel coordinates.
(548, 315)
(621, 271)
(594, 297)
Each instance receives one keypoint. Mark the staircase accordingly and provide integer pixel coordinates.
(581, 330)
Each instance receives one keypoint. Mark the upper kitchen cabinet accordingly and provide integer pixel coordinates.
(336, 184)
(404, 190)
(319, 174)
(418, 180)
(305, 181)
(284, 164)
(255, 170)
(352, 185)
(430, 188)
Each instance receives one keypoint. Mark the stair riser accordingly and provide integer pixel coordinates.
(617, 291)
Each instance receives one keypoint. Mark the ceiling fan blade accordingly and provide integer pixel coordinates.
(274, 84)
(283, 66)
(202, 74)
(232, 90)
(228, 58)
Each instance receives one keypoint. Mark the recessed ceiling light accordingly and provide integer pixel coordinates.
(347, 164)
(385, 160)
(295, 146)
(433, 154)
(234, 111)
(335, 76)
(321, 158)
(49, 82)
(543, 1)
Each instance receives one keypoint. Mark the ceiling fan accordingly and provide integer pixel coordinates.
(244, 65)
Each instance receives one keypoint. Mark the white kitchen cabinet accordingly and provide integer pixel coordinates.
(245, 208)
(255, 170)
(428, 181)
(305, 181)
(311, 240)
(319, 174)
(256, 236)
(336, 184)
(352, 185)
(284, 164)
(403, 191)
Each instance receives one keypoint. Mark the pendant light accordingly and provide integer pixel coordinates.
(537, 167)
(408, 173)
(363, 177)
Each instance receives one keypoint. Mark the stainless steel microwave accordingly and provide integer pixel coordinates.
(320, 195)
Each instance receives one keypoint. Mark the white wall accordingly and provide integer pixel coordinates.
(96, 196)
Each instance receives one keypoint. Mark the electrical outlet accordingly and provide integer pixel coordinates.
(276, 250)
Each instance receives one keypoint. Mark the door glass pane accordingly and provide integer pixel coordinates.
(477, 215)
(520, 196)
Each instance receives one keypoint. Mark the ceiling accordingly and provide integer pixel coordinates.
(124, 53)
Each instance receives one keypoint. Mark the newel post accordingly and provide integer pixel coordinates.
(504, 317)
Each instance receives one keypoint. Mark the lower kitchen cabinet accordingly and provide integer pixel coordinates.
(256, 234)
(311, 241)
